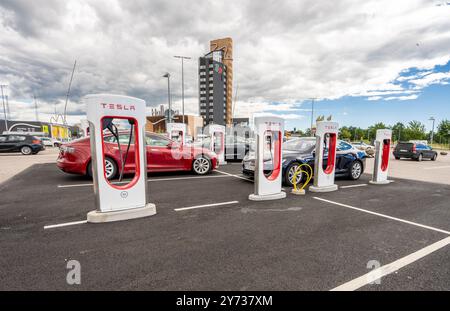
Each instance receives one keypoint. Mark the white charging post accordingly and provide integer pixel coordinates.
(177, 132)
(85, 127)
(118, 201)
(269, 133)
(216, 133)
(382, 152)
(326, 140)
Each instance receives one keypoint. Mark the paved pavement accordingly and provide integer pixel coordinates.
(429, 171)
(312, 242)
(14, 163)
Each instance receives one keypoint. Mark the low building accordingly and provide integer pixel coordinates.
(57, 131)
(157, 124)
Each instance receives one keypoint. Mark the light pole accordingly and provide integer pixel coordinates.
(312, 113)
(182, 80)
(432, 130)
(167, 75)
(4, 107)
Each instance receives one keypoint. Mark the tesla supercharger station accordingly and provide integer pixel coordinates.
(85, 127)
(326, 139)
(269, 142)
(177, 132)
(217, 134)
(382, 152)
(118, 201)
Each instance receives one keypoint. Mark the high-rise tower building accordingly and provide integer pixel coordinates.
(212, 88)
(226, 46)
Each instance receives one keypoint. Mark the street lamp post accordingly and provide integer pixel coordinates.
(432, 130)
(312, 113)
(167, 75)
(4, 107)
(182, 80)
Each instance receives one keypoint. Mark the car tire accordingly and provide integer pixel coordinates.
(434, 157)
(356, 170)
(420, 158)
(201, 165)
(112, 169)
(290, 170)
(26, 150)
(397, 158)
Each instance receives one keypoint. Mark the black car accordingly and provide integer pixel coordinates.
(350, 162)
(27, 144)
(414, 151)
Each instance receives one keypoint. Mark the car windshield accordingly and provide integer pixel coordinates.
(300, 145)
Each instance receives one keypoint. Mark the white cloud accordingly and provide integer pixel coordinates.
(284, 52)
(434, 78)
(410, 97)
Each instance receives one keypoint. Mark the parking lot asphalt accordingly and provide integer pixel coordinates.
(312, 242)
(429, 171)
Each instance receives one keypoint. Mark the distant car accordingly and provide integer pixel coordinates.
(236, 147)
(75, 157)
(50, 142)
(414, 151)
(26, 144)
(350, 162)
(370, 150)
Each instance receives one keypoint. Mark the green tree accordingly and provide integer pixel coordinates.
(345, 133)
(415, 130)
(443, 131)
(398, 131)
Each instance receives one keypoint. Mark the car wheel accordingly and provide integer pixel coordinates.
(110, 169)
(420, 158)
(434, 157)
(290, 171)
(26, 150)
(201, 165)
(397, 158)
(355, 170)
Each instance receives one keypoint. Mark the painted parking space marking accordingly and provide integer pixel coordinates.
(148, 180)
(384, 216)
(353, 186)
(436, 167)
(205, 205)
(391, 267)
(234, 175)
(66, 224)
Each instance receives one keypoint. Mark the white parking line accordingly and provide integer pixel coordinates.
(148, 180)
(233, 175)
(353, 186)
(66, 224)
(392, 267)
(205, 205)
(436, 167)
(385, 216)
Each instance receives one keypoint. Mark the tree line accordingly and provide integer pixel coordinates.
(413, 130)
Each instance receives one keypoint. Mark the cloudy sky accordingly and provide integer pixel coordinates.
(365, 61)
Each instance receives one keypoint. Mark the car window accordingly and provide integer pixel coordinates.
(344, 146)
(156, 141)
(123, 139)
(16, 138)
(301, 145)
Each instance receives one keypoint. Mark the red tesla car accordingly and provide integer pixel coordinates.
(163, 155)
